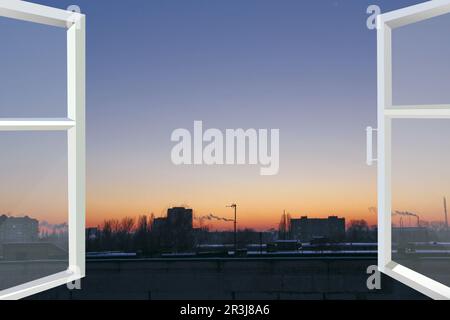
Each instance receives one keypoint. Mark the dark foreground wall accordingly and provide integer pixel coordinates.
(15, 273)
(289, 278)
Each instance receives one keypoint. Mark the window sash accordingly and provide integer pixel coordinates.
(74, 125)
(386, 112)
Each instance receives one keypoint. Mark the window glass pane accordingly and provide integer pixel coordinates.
(33, 70)
(421, 72)
(420, 181)
(33, 206)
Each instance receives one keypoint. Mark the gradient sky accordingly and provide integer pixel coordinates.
(305, 67)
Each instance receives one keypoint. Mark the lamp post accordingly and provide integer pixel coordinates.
(234, 206)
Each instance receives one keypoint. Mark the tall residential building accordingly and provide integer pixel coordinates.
(180, 217)
(176, 230)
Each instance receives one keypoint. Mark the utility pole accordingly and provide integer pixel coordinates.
(234, 206)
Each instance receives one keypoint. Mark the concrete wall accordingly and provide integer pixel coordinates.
(286, 278)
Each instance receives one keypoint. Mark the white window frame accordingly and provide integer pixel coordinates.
(74, 124)
(386, 112)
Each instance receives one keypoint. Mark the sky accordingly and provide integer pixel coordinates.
(307, 68)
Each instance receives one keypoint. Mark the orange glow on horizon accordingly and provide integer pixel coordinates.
(264, 220)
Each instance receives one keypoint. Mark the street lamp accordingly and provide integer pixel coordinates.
(234, 206)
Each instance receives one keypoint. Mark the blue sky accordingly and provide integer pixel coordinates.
(305, 67)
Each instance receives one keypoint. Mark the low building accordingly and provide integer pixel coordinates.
(307, 229)
(159, 224)
(18, 230)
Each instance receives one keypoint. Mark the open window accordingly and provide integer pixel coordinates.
(413, 122)
(29, 264)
